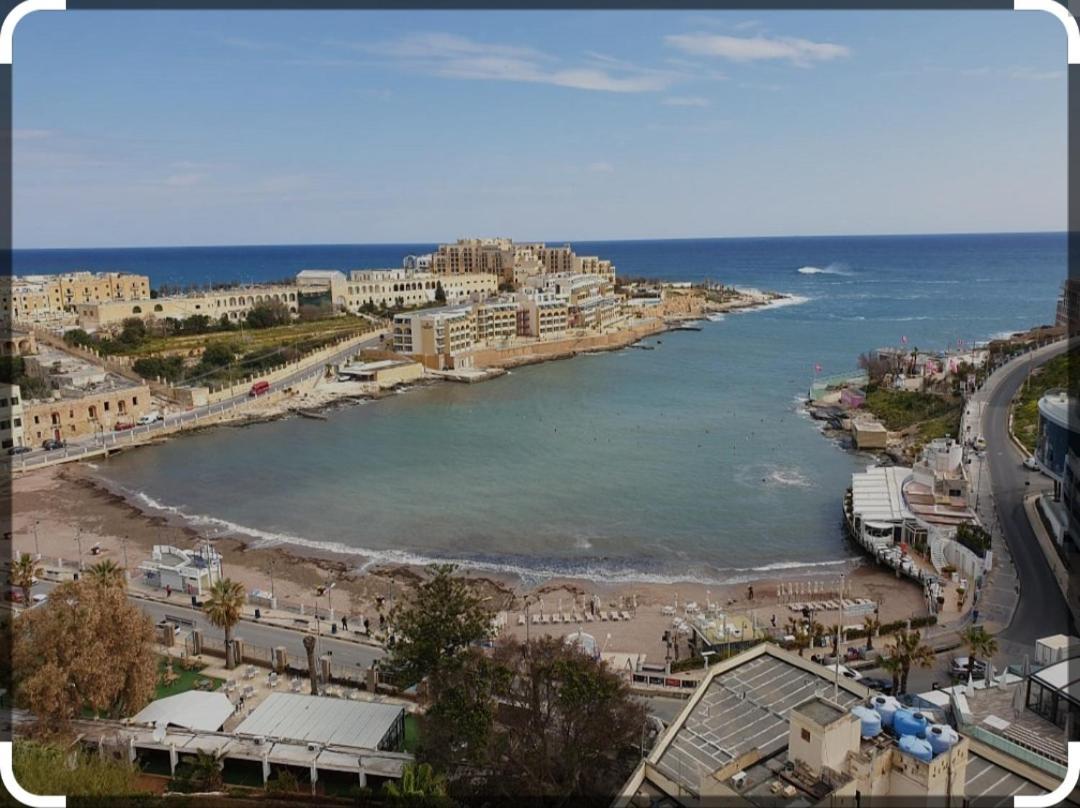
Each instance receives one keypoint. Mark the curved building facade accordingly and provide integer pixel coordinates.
(1059, 432)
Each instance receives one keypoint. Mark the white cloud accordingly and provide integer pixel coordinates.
(457, 57)
(601, 167)
(686, 101)
(800, 52)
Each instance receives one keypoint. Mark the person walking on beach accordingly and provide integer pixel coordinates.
(750, 593)
(344, 622)
(168, 591)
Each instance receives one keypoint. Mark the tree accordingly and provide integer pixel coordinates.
(223, 609)
(24, 570)
(440, 293)
(199, 773)
(979, 644)
(132, 332)
(553, 723)
(107, 573)
(871, 625)
(443, 617)
(419, 782)
(218, 354)
(47, 768)
(86, 647)
(268, 313)
(908, 651)
(309, 649)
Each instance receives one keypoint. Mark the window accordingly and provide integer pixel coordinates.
(5, 424)
(3, 402)
(14, 400)
(134, 401)
(805, 734)
(17, 422)
(106, 406)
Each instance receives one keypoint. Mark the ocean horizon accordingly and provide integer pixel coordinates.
(694, 461)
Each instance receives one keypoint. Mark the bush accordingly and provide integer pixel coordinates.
(170, 368)
(975, 538)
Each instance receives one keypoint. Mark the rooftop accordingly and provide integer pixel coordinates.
(877, 494)
(1060, 408)
(820, 711)
(193, 709)
(320, 719)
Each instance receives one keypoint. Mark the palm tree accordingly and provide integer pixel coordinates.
(223, 610)
(892, 666)
(205, 771)
(908, 651)
(107, 573)
(978, 644)
(309, 647)
(871, 625)
(23, 572)
(418, 781)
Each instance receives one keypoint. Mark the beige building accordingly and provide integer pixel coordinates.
(11, 416)
(233, 303)
(440, 338)
(38, 298)
(542, 315)
(869, 434)
(77, 414)
(406, 288)
(382, 373)
(496, 320)
(517, 262)
(18, 343)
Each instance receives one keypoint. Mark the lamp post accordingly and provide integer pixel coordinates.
(123, 544)
(329, 602)
(78, 543)
(37, 548)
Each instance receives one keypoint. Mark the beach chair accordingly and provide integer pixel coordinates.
(625, 615)
(577, 617)
(603, 617)
(536, 619)
(521, 619)
(545, 619)
(566, 618)
(588, 617)
(272, 680)
(249, 673)
(295, 685)
(249, 691)
(556, 618)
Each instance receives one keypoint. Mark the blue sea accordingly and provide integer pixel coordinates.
(693, 461)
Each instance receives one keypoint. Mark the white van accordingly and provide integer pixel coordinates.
(149, 418)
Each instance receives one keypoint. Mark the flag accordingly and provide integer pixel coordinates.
(903, 340)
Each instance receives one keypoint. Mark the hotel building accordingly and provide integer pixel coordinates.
(37, 298)
(541, 314)
(440, 338)
(400, 288)
(232, 303)
(11, 416)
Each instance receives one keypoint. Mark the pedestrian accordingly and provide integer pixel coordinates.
(367, 625)
(974, 615)
(773, 620)
(750, 593)
(168, 591)
(344, 622)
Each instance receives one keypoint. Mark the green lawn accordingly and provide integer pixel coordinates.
(1055, 373)
(186, 681)
(936, 416)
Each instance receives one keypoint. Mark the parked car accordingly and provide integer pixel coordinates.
(259, 388)
(1031, 464)
(122, 426)
(980, 442)
(18, 450)
(880, 685)
(959, 668)
(52, 443)
(149, 418)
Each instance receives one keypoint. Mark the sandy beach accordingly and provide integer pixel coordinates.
(53, 507)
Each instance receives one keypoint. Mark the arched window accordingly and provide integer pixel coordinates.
(158, 307)
(136, 309)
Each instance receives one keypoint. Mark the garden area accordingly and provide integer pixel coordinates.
(176, 677)
(933, 416)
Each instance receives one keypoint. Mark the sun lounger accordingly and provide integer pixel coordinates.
(588, 617)
(626, 615)
(577, 617)
(521, 619)
(545, 619)
(556, 618)
(566, 618)
(535, 619)
(603, 617)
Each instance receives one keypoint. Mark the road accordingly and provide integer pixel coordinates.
(1041, 609)
(257, 634)
(170, 422)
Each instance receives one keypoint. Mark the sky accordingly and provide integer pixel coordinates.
(207, 128)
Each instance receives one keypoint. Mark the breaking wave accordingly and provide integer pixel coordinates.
(831, 269)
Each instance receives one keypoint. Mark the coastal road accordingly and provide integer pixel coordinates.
(257, 634)
(1041, 609)
(177, 420)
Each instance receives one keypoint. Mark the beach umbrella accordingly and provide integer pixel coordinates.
(969, 691)
(266, 766)
(989, 673)
(1018, 699)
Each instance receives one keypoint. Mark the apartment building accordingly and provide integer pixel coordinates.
(541, 315)
(492, 256)
(233, 303)
(496, 320)
(78, 414)
(517, 262)
(398, 288)
(11, 416)
(439, 338)
(37, 298)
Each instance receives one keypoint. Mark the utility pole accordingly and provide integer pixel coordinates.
(78, 543)
(37, 548)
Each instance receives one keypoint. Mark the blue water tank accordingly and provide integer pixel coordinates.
(909, 722)
(869, 721)
(941, 737)
(916, 747)
(886, 707)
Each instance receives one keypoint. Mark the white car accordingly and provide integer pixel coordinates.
(149, 418)
(1031, 464)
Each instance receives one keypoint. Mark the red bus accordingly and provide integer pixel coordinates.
(259, 388)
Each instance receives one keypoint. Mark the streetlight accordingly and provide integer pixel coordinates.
(123, 543)
(37, 549)
(78, 542)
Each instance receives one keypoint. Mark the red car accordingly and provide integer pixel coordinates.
(259, 388)
(123, 426)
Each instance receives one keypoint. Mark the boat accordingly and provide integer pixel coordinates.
(317, 416)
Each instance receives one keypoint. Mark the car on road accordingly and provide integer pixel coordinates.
(148, 418)
(959, 668)
(120, 427)
(980, 442)
(18, 450)
(259, 388)
(52, 443)
(1031, 464)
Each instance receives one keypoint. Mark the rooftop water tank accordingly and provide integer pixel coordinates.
(909, 722)
(886, 707)
(941, 737)
(916, 747)
(869, 721)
